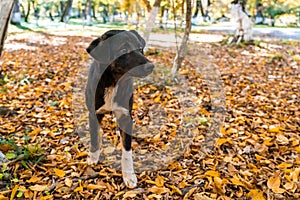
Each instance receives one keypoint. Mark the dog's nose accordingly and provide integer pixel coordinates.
(149, 67)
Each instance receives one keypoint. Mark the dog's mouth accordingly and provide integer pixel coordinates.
(141, 71)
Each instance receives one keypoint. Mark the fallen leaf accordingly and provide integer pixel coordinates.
(95, 187)
(274, 184)
(256, 194)
(212, 173)
(158, 190)
(34, 179)
(175, 190)
(131, 194)
(2, 197)
(159, 181)
(59, 173)
(13, 192)
(68, 182)
(39, 188)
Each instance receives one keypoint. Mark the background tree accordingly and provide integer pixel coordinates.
(66, 11)
(184, 43)
(150, 23)
(16, 15)
(6, 7)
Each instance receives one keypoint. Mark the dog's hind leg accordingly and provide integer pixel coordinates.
(94, 152)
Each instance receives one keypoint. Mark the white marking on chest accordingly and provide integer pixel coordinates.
(109, 95)
(109, 105)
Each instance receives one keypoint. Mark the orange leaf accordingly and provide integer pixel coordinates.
(131, 194)
(3, 197)
(212, 173)
(175, 190)
(256, 194)
(95, 187)
(79, 188)
(221, 141)
(274, 184)
(34, 179)
(39, 188)
(159, 181)
(284, 165)
(59, 173)
(13, 192)
(158, 190)
(35, 131)
(236, 181)
(48, 197)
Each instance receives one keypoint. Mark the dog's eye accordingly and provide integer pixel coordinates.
(141, 49)
(124, 51)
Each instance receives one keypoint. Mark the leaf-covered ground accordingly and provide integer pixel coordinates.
(257, 156)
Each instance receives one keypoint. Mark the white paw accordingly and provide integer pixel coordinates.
(93, 157)
(129, 179)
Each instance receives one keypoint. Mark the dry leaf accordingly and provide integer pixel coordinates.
(59, 173)
(13, 192)
(131, 194)
(256, 194)
(175, 190)
(34, 179)
(39, 188)
(159, 190)
(159, 181)
(274, 184)
(212, 173)
(68, 182)
(95, 187)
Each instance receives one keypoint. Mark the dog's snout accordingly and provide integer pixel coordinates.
(149, 67)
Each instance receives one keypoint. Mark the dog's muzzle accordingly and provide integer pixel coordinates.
(142, 71)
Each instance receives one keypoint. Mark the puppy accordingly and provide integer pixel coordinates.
(118, 57)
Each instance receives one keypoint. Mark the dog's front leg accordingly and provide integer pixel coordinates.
(94, 151)
(125, 124)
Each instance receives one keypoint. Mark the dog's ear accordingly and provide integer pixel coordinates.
(99, 50)
(93, 44)
(139, 37)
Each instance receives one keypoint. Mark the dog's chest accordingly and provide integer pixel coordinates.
(109, 95)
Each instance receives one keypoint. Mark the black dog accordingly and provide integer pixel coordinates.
(118, 56)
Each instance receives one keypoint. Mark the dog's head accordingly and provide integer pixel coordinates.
(122, 52)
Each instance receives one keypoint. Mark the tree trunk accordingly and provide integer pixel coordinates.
(150, 23)
(65, 15)
(89, 13)
(16, 15)
(28, 11)
(147, 4)
(6, 7)
(184, 43)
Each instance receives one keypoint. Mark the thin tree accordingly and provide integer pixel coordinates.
(88, 13)
(184, 43)
(6, 7)
(66, 12)
(151, 20)
(27, 11)
(16, 14)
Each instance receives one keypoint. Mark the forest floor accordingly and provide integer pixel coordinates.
(255, 156)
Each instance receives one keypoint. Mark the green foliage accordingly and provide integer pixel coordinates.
(26, 154)
(274, 10)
